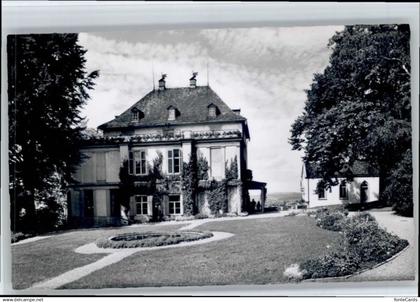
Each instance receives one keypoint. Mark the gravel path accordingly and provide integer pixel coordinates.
(403, 267)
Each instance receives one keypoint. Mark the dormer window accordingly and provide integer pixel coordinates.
(172, 113)
(213, 110)
(171, 116)
(136, 115)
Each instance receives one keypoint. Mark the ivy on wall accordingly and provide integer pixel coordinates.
(150, 184)
(231, 170)
(189, 185)
(126, 187)
(156, 183)
(202, 168)
(217, 197)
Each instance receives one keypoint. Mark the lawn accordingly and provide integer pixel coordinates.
(50, 257)
(258, 254)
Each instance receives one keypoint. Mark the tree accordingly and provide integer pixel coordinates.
(359, 107)
(48, 85)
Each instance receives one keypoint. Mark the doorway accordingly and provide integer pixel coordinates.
(364, 192)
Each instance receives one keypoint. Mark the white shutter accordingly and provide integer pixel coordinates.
(150, 205)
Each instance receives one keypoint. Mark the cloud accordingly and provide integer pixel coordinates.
(263, 71)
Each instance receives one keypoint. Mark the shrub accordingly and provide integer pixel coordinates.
(363, 244)
(20, 236)
(231, 214)
(339, 263)
(184, 218)
(329, 220)
(373, 244)
(167, 218)
(201, 216)
(142, 219)
(294, 273)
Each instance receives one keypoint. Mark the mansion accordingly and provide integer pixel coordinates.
(175, 152)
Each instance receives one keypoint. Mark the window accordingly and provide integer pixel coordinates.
(174, 204)
(135, 115)
(89, 205)
(171, 114)
(217, 163)
(321, 193)
(212, 111)
(114, 203)
(130, 163)
(137, 163)
(174, 161)
(141, 205)
(343, 190)
(100, 167)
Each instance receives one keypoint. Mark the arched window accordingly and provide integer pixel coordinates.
(172, 113)
(364, 192)
(343, 190)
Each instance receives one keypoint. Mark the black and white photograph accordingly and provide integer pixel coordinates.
(211, 157)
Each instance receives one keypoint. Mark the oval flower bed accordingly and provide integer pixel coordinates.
(150, 239)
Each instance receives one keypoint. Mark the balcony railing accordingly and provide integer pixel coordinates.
(215, 134)
(165, 137)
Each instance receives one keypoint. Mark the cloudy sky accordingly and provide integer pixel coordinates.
(263, 71)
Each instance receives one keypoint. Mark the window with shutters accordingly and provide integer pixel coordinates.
(141, 205)
(137, 162)
(174, 161)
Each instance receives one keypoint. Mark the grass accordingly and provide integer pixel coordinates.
(258, 254)
(47, 258)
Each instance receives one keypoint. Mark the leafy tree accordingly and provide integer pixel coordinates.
(399, 188)
(48, 85)
(359, 107)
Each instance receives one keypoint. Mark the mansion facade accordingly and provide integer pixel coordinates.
(177, 151)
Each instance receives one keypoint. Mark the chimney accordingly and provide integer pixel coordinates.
(237, 111)
(162, 82)
(193, 80)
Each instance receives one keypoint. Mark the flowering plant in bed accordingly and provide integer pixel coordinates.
(150, 239)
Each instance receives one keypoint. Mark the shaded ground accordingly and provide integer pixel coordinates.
(258, 254)
(403, 267)
(51, 256)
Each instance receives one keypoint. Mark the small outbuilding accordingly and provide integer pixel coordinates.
(363, 188)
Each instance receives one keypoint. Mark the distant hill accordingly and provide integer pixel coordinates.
(274, 198)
